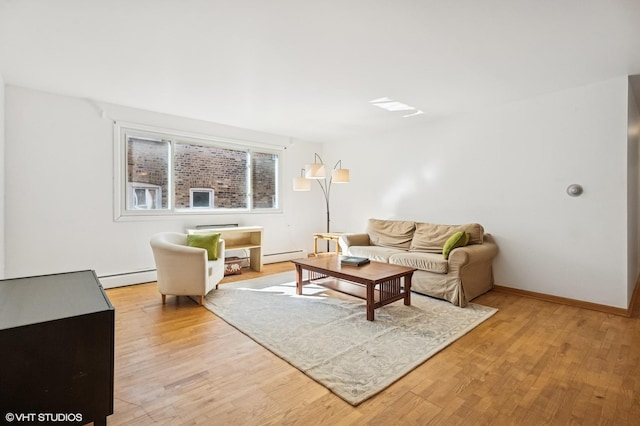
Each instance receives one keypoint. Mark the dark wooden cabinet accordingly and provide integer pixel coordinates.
(56, 349)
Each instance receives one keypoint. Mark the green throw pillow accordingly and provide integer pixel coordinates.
(208, 242)
(459, 239)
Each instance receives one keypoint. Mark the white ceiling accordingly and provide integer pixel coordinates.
(308, 69)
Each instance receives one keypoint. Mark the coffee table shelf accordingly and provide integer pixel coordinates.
(354, 289)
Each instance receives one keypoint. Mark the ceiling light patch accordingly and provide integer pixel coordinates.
(395, 106)
(416, 112)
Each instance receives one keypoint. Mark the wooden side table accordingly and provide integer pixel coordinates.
(239, 238)
(329, 236)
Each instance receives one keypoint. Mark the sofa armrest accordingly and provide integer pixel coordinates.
(475, 253)
(348, 240)
(472, 265)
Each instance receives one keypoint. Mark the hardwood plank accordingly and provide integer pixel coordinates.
(534, 362)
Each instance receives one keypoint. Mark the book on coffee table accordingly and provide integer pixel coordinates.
(354, 260)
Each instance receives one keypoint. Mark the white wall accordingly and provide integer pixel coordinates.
(59, 189)
(633, 187)
(508, 168)
(2, 203)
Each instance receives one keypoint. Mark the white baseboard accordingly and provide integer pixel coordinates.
(130, 278)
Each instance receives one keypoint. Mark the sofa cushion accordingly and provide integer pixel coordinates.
(431, 238)
(391, 233)
(432, 262)
(379, 254)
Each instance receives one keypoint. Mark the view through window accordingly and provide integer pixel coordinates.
(171, 174)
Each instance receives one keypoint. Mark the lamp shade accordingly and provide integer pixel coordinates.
(301, 184)
(340, 176)
(314, 171)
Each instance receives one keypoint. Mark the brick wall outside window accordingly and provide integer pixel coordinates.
(223, 170)
(203, 166)
(147, 163)
(264, 180)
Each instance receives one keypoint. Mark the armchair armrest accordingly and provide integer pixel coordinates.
(348, 240)
(185, 270)
(216, 268)
(182, 265)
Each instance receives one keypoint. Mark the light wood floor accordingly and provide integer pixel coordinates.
(532, 363)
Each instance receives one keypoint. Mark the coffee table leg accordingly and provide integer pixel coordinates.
(370, 301)
(298, 279)
(407, 290)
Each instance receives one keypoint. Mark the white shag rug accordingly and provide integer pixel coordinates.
(327, 336)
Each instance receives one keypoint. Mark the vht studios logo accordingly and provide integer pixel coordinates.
(43, 417)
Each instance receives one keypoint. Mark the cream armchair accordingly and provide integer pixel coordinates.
(184, 270)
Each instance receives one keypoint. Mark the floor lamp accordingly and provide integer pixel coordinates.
(317, 171)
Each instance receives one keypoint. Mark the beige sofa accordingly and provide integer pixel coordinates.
(466, 274)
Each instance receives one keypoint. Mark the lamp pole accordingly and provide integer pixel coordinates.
(317, 171)
(326, 191)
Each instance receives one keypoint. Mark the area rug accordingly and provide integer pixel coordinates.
(326, 335)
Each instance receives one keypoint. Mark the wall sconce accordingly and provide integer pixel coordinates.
(317, 172)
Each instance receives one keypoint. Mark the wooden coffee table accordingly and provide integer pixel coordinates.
(376, 282)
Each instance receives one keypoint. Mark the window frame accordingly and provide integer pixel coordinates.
(124, 130)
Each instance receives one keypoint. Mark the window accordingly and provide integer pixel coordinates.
(147, 173)
(205, 166)
(201, 198)
(160, 173)
(144, 196)
(263, 180)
